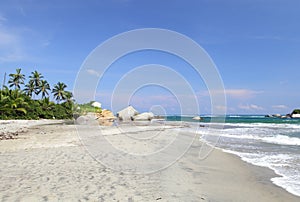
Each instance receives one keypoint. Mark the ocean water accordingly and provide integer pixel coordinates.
(267, 142)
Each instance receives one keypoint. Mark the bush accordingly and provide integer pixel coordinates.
(296, 111)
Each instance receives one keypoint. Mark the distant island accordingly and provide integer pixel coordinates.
(294, 114)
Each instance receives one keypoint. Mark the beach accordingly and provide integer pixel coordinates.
(50, 160)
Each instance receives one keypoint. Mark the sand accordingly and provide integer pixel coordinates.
(48, 162)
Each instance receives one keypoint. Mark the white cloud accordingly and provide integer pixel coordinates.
(251, 107)
(2, 18)
(93, 72)
(7, 38)
(265, 37)
(10, 47)
(10, 43)
(16, 42)
(284, 82)
(241, 93)
(234, 93)
(46, 43)
(279, 106)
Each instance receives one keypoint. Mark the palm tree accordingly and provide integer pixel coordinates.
(13, 101)
(46, 104)
(44, 88)
(29, 88)
(16, 79)
(69, 96)
(36, 78)
(18, 105)
(59, 92)
(69, 100)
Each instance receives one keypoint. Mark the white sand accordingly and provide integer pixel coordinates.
(49, 163)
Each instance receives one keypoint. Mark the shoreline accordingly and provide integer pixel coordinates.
(48, 162)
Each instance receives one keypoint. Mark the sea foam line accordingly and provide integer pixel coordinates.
(284, 181)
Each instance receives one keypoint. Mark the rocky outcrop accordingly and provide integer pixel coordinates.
(197, 118)
(88, 119)
(127, 114)
(296, 116)
(105, 118)
(146, 116)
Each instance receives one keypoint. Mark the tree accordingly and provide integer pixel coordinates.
(16, 79)
(59, 92)
(44, 88)
(69, 97)
(13, 102)
(29, 88)
(18, 104)
(36, 78)
(47, 108)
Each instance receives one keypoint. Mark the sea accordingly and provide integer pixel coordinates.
(262, 141)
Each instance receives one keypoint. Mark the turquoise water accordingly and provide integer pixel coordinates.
(235, 119)
(262, 141)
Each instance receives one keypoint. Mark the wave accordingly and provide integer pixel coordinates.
(245, 116)
(277, 139)
(282, 140)
(263, 125)
(279, 163)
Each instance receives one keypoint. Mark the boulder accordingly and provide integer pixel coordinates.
(197, 118)
(276, 115)
(105, 118)
(127, 114)
(295, 116)
(89, 119)
(146, 116)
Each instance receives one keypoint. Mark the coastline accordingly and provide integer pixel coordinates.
(47, 161)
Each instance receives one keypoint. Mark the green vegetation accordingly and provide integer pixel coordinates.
(16, 103)
(82, 109)
(296, 111)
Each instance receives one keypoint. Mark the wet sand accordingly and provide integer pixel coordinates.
(48, 162)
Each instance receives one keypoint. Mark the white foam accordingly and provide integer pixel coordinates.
(282, 140)
(249, 136)
(278, 139)
(292, 186)
(267, 135)
(277, 162)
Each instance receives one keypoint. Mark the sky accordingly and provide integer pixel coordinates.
(254, 44)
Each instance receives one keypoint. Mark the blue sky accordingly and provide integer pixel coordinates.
(255, 45)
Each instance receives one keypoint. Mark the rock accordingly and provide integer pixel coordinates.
(89, 119)
(127, 114)
(198, 118)
(295, 116)
(105, 118)
(276, 115)
(146, 116)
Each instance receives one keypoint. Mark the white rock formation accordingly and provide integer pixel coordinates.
(198, 118)
(295, 115)
(127, 114)
(146, 116)
(89, 119)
